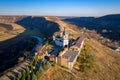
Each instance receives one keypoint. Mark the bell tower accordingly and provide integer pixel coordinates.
(65, 38)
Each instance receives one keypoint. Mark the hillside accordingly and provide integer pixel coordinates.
(106, 66)
(107, 61)
(108, 26)
(16, 31)
(40, 23)
(46, 25)
(10, 19)
(56, 73)
(72, 29)
(10, 30)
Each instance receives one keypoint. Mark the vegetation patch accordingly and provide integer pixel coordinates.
(86, 60)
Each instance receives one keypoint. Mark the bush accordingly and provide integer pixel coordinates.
(38, 75)
(86, 60)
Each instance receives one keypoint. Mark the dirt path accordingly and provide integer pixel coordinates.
(69, 71)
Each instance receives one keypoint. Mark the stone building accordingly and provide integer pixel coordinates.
(68, 56)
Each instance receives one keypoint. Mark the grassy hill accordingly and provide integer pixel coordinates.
(107, 61)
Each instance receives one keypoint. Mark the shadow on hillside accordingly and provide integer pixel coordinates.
(10, 50)
(48, 28)
(109, 24)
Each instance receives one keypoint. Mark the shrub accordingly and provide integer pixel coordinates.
(86, 60)
(38, 75)
(28, 77)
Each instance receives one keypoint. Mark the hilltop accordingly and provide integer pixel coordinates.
(106, 68)
(107, 60)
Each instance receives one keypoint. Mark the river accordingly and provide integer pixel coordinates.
(40, 41)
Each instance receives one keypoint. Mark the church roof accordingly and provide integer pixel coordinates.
(78, 42)
(71, 54)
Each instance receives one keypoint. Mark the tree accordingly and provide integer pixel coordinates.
(19, 77)
(34, 76)
(38, 75)
(47, 58)
(45, 66)
(41, 70)
(47, 49)
(23, 75)
(31, 67)
(27, 71)
(35, 60)
(28, 77)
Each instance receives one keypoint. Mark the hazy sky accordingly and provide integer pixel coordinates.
(60, 7)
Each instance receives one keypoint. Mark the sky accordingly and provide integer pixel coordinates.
(59, 7)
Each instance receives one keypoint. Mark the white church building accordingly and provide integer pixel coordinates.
(62, 40)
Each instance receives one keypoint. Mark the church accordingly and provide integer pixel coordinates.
(62, 40)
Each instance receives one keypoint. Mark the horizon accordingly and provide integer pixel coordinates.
(59, 16)
(59, 7)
